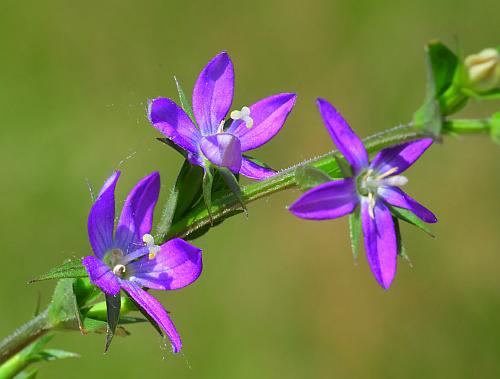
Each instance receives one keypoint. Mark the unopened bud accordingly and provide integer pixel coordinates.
(484, 70)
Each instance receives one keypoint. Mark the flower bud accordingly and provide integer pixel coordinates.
(484, 70)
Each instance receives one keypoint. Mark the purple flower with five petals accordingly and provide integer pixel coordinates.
(374, 186)
(251, 127)
(128, 259)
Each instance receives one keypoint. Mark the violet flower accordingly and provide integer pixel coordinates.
(251, 127)
(375, 187)
(128, 259)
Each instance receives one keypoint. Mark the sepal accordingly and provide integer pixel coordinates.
(71, 268)
(409, 217)
(308, 177)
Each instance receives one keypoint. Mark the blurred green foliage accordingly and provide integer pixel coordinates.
(279, 297)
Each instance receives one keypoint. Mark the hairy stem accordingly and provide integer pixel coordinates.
(24, 335)
(226, 203)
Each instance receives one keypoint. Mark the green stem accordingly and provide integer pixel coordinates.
(225, 204)
(24, 335)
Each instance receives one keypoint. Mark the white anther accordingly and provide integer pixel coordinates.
(243, 115)
(398, 180)
(153, 249)
(119, 270)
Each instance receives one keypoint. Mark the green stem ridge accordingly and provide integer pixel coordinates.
(225, 203)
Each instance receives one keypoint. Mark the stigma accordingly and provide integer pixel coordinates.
(149, 242)
(243, 115)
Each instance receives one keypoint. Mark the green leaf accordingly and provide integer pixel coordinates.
(443, 63)
(495, 128)
(186, 192)
(355, 231)
(345, 167)
(184, 101)
(54, 354)
(85, 292)
(308, 177)
(113, 305)
(170, 143)
(232, 183)
(63, 310)
(72, 268)
(409, 217)
(26, 374)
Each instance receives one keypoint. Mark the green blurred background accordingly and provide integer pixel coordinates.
(279, 297)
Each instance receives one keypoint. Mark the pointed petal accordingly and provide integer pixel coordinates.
(254, 171)
(343, 136)
(222, 150)
(102, 217)
(101, 275)
(380, 242)
(174, 123)
(401, 156)
(213, 93)
(136, 218)
(177, 265)
(327, 201)
(154, 309)
(397, 197)
(268, 117)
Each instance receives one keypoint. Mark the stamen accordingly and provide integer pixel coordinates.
(244, 115)
(387, 173)
(119, 270)
(398, 180)
(220, 129)
(153, 249)
(371, 205)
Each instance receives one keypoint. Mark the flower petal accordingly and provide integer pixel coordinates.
(327, 201)
(254, 171)
(222, 150)
(154, 309)
(268, 117)
(174, 123)
(177, 265)
(213, 93)
(102, 217)
(101, 275)
(136, 218)
(397, 197)
(401, 156)
(343, 136)
(380, 242)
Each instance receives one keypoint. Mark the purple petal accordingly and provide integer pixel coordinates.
(401, 156)
(177, 265)
(101, 275)
(380, 242)
(268, 116)
(102, 217)
(254, 171)
(136, 218)
(155, 310)
(343, 136)
(174, 123)
(213, 93)
(397, 197)
(326, 201)
(222, 150)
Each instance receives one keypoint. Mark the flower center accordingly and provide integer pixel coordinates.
(244, 115)
(370, 181)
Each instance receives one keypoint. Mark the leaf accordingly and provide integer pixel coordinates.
(345, 167)
(355, 231)
(443, 63)
(170, 143)
(232, 183)
(72, 268)
(85, 292)
(54, 354)
(186, 192)
(495, 128)
(113, 305)
(27, 374)
(308, 177)
(409, 217)
(63, 310)
(184, 101)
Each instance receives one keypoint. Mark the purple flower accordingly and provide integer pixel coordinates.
(128, 259)
(251, 127)
(375, 186)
